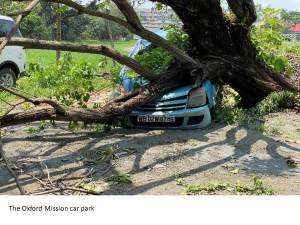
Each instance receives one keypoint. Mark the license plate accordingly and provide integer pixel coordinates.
(156, 119)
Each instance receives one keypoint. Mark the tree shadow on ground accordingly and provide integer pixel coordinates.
(63, 163)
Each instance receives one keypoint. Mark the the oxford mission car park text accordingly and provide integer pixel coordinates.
(49, 208)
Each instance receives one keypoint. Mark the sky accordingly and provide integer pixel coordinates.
(285, 4)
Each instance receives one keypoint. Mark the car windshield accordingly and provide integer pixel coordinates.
(5, 28)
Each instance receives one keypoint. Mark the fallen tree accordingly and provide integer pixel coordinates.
(221, 49)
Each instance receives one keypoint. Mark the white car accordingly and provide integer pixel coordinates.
(12, 58)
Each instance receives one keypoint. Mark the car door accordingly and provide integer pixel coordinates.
(14, 54)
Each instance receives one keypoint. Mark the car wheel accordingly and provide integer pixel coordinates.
(7, 77)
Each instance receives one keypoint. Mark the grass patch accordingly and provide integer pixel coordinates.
(210, 188)
(119, 179)
(256, 187)
(92, 188)
(8, 98)
(291, 47)
(46, 57)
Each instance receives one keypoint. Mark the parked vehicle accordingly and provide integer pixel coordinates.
(183, 108)
(12, 58)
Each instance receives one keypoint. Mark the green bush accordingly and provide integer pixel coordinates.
(176, 36)
(257, 187)
(66, 81)
(228, 111)
(268, 38)
(158, 59)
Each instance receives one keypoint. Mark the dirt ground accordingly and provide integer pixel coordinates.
(156, 158)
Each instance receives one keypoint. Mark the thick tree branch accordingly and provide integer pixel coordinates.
(129, 13)
(244, 11)
(204, 22)
(94, 49)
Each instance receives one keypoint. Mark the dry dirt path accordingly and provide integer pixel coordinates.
(156, 158)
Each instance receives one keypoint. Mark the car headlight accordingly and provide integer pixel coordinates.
(196, 98)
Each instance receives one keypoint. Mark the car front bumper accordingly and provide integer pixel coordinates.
(184, 119)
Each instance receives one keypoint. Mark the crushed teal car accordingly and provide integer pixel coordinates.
(183, 108)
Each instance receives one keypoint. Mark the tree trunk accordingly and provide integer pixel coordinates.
(226, 47)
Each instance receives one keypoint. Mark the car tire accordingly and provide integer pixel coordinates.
(7, 77)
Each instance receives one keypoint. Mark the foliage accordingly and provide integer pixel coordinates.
(120, 179)
(291, 16)
(93, 188)
(33, 130)
(176, 36)
(41, 23)
(42, 126)
(194, 189)
(76, 28)
(7, 98)
(97, 27)
(68, 82)
(7, 6)
(41, 64)
(33, 26)
(97, 30)
(228, 111)
(115, 72)
(256, 188)
(268, 38)
(157, 59)
(75, 126)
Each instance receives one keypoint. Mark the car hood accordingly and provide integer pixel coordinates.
(179, 92)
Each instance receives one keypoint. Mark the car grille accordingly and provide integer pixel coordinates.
(178, 122)
(165, 105)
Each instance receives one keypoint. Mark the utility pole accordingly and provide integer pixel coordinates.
(58, 31)
(110, 35)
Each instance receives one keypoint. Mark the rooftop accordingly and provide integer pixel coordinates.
(295, 28)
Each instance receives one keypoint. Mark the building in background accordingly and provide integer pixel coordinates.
(294, 32)
(154, 19)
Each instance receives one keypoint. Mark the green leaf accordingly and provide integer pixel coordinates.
(97, 189)
(159, 6)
